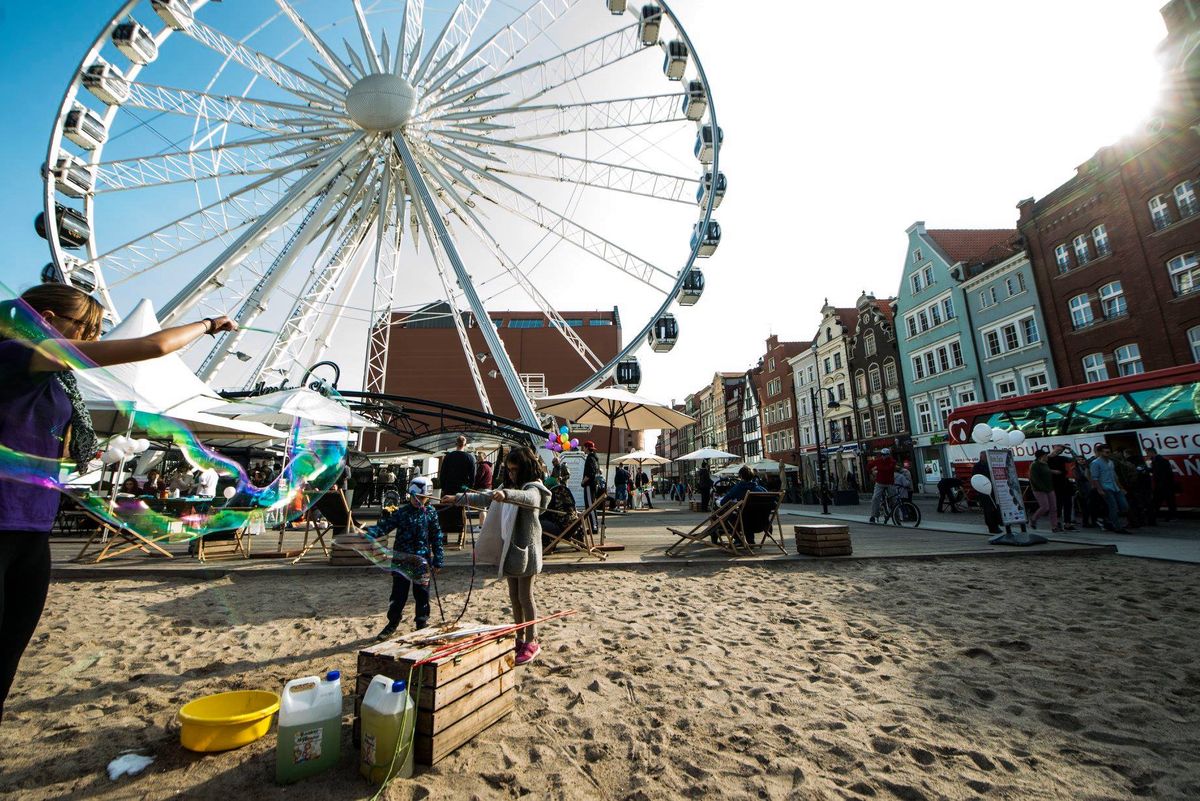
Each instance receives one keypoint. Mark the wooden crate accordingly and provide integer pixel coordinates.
(823, 539)
(460, 695)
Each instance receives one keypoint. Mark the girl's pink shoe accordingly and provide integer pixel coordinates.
(526, 652)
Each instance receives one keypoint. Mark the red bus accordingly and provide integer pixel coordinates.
(1158, 410)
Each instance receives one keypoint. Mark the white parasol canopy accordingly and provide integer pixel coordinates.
(613, 407)
(286, 405)
(642, 457)
(706, 453)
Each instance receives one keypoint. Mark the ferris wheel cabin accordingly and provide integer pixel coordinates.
(106, 82)
(629, 374)
(692, 289)
(664, 334)
(616, 7)
(675, 63)
(707, 237)
(695, 102)
(73, 229)
(176, 13)
(85, 127)
(78, 276)
(705, 147)
(709, 186)
(72, 176)
(136, 42)
(649, 24)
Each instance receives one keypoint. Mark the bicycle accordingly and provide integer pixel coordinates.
(900, 512)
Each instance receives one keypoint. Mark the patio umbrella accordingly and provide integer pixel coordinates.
(284, 406)
(642, 457)
(704, 454)
(613, 407)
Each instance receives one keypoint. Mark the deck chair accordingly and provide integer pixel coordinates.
(117, 540)
(578, 533)
(231, 543)
(759, 515)
(719, 523)
(333, 507)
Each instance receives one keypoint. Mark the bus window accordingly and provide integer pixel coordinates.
(1169, 405)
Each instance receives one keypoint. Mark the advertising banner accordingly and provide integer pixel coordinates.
(1006, 487)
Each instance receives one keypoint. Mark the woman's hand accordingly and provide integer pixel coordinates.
(498, 495)
(222, 323)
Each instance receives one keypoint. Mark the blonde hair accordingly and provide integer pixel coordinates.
(67, 301)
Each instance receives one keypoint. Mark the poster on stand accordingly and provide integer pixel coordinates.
(574, 461)
(1006, 487)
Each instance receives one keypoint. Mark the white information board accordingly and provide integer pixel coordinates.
(1006, 487)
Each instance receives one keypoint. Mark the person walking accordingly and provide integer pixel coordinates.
(592, 482)
(1108, 487)
(1064, 486)
(704, 483)
(883, 473)
(1041, 481)
(417, 553)
(42, 419)
(643, 488)
(1164, 484)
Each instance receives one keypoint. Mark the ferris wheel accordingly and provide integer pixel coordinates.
(300, 165)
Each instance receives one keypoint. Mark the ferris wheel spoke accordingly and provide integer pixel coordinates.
(368, 44)
(559, 167)
(339, 68)
(200, 165)
(409, 46)
(454, 38)
(283, 76)
(298, 195)
(544, 122)
(258, 115)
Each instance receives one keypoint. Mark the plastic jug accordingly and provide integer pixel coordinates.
(389, 720)
(310, 727)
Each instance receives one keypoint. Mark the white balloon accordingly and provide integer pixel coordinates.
(141, 445)
(229, 492)
(981, 484)
(110, 456)
(1001, 440)
(982, 433)
(1016, 437)
(999, 435)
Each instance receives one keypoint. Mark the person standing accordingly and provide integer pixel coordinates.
(417, 553)
(704, 483)
(1108, 487)
(621, 488)
(1127, 478)
(883, 473)
(643, 488)
(1041, 481)
(483, 472)
(456, 474)
(1064, 489)
(43, 417)
(948, 490)
(1085, 493)
(591, 482)
(1164, 484)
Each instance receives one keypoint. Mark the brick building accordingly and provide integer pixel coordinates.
(733, 391)
(878, 392)
(1116, 249)
(426, 360)
(776, 397)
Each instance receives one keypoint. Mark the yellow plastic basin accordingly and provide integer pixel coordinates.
(226, 720)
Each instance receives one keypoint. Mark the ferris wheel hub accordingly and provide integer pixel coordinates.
(381, 102)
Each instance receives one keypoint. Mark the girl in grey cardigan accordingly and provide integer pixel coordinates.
(520, 557)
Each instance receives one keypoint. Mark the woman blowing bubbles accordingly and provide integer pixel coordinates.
(43, 415)
(512, 537)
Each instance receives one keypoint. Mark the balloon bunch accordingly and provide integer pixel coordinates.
(121, 447)
(983, 434)
(561, 441)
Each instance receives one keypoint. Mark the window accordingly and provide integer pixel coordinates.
(881, 423)
(848, 429)
(1185, 199)
(1129, 360)
(1194, 342)
(1185, 273)
(1112, 300)
(835, 431)
(837, 361)
(917, 257)
(1082, 254)
(943, 360)
(987, 297)
(935, 315)
(774, 387)
(771, 365)
(869, 343)
(1014, 284)
(918, 368)
(897, 418)
(574, 322)
(597, 323)
(1012, 340)
(889, 373)
(912, 325)
(948, 308)
(860, 381)
(931, 362)
(876, 384)
(1006, 388)
(828, 366)
(956, 357)
(1036, 382)
(1062, 257)
(944, 407)
(787, 409)
(927, 273)
(841, 391)
(1081, 311)
(525, 323)
(1160, 212)
(966, 396)
(1030, 330)
(1100, 240)
(1094, 368)
(865, 425)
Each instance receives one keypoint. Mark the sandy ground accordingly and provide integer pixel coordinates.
(1043, 677)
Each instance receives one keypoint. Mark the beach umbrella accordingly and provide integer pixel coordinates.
(286, 405)
(704, 454)
(642, 457)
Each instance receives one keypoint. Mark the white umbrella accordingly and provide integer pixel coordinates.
(285, 405)
(704, 454)
(771, 466)
(612, 407)
(642, 457)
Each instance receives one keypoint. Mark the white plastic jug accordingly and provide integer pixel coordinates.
(389, 720)
(310, 727)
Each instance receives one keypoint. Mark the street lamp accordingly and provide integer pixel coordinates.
(818, 422)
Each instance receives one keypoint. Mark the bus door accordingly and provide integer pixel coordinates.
(1120, 441)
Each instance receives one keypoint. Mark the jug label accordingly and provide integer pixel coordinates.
(368, 749)
(308, 745)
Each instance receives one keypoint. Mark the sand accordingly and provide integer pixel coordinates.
(1027, 677)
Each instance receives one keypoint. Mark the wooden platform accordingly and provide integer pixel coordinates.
(459, 695)
(823, 539)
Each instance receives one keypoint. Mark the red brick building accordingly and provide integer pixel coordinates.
(1116, 249)
(777, 400)
(426, 360)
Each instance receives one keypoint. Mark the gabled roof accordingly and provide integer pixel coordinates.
(974, 245)
(885, 308)
(848, 317)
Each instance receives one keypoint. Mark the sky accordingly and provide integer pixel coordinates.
(844, 123)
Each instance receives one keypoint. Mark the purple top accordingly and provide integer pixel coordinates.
(34, 415)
